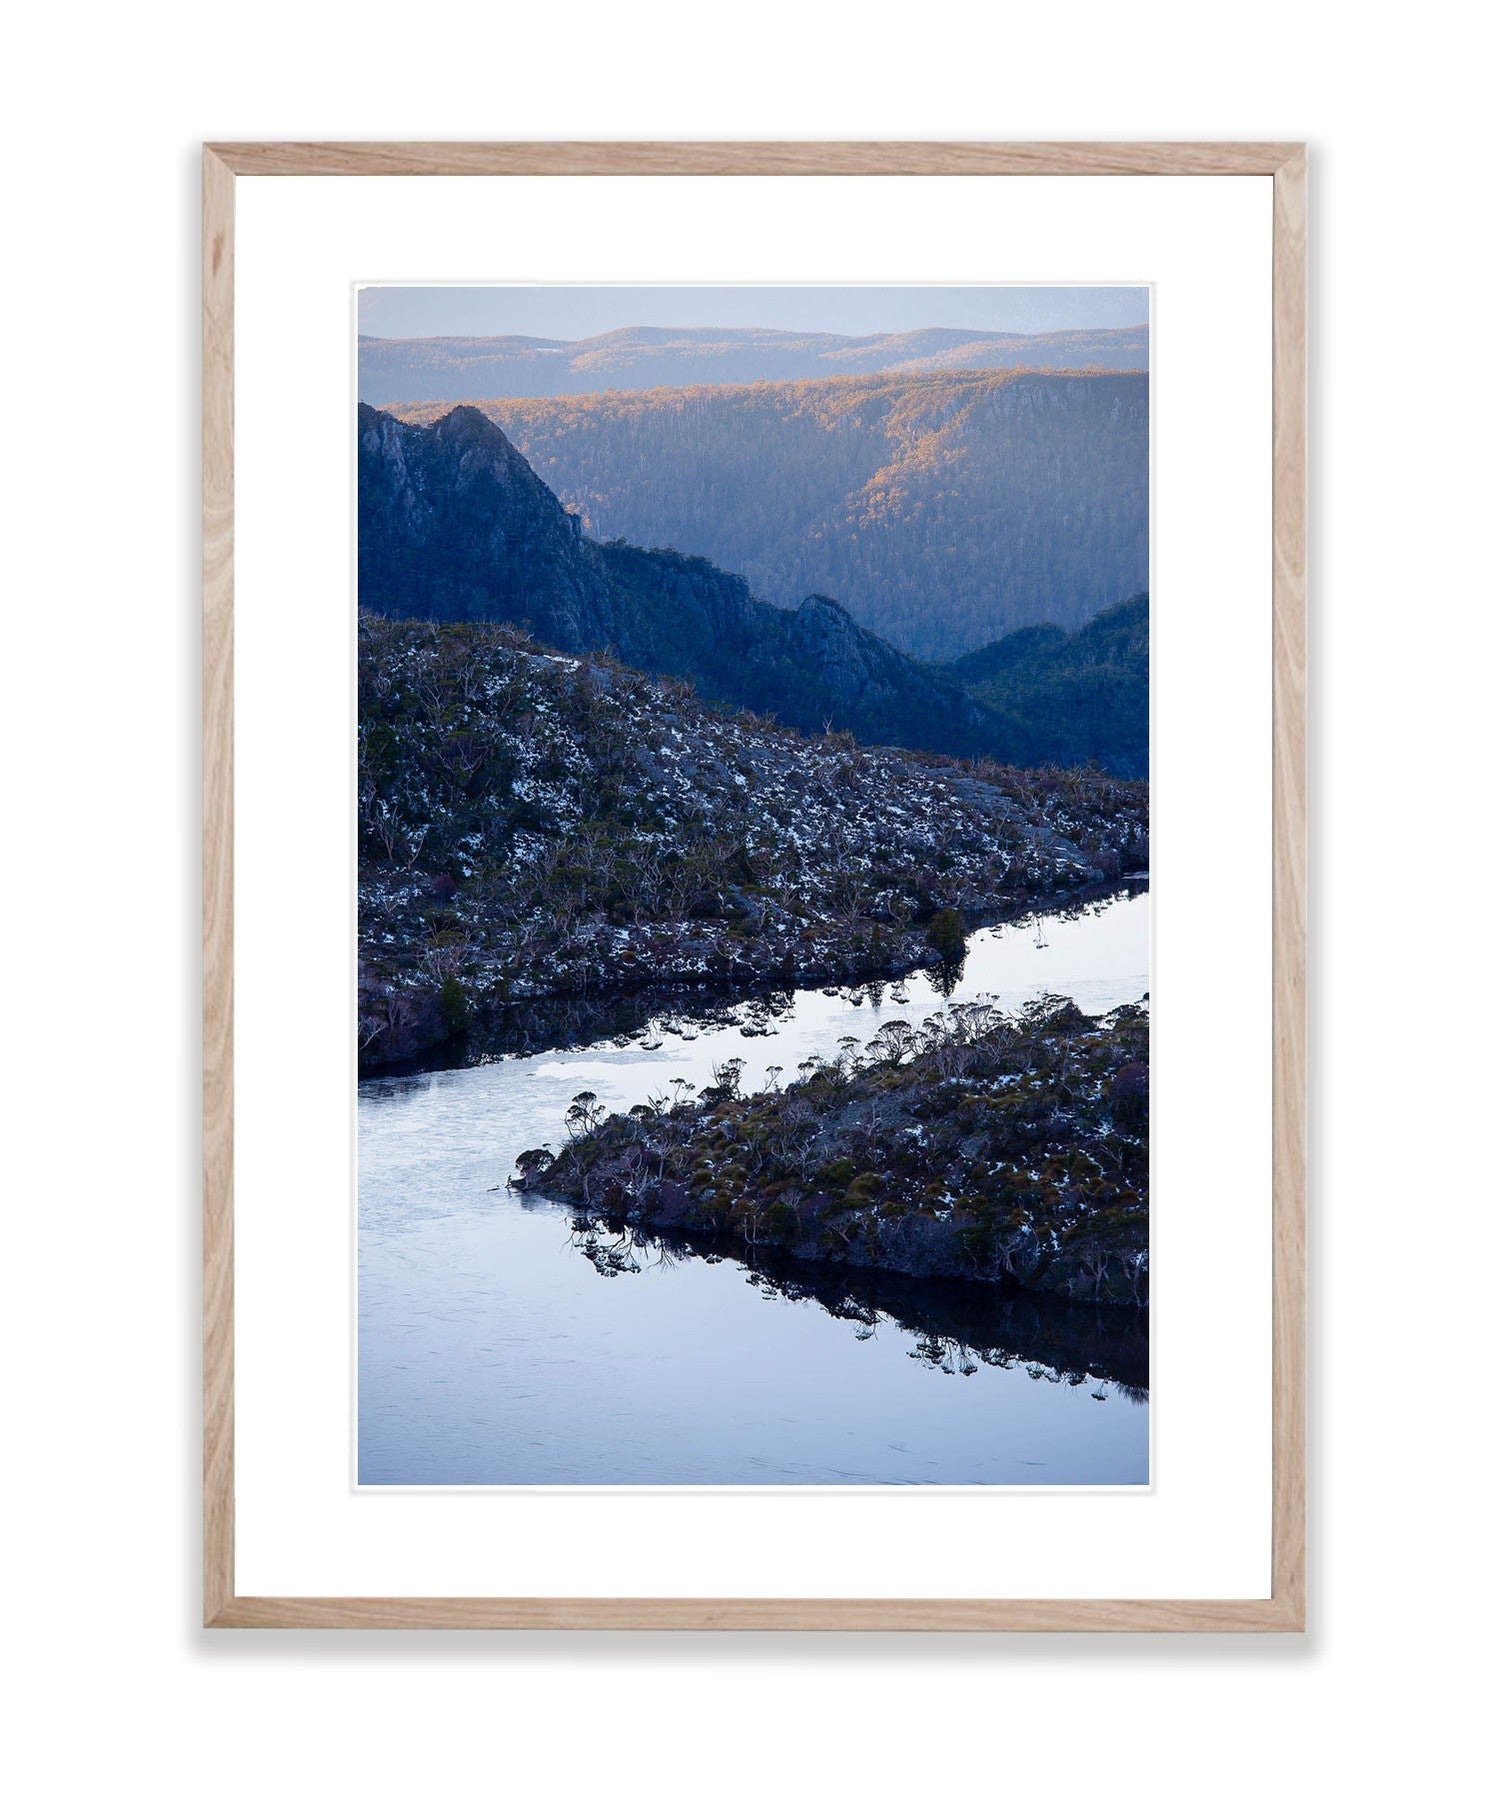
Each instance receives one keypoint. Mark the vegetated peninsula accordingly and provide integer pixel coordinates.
(457, 368)
(1009, 1149)
(944, 509)
(534, 824)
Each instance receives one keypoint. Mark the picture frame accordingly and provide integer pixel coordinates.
(225, 1605)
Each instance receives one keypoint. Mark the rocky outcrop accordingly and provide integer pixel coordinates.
(452, 517)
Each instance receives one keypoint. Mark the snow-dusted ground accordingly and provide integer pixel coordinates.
(535, 825)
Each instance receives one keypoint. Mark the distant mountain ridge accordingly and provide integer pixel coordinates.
(468, 368)
(943, 509)
(455, 525)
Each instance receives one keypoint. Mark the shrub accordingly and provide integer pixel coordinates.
(531, 1164)
(947, 934)
(1131, 1093)
(452, 1002)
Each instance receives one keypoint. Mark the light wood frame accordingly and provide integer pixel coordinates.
(1285, 1609)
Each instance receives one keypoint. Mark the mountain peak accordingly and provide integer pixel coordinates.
(470, 420)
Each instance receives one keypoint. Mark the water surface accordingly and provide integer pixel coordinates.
(493, 1351)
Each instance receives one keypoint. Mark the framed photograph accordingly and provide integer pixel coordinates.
(754, 893)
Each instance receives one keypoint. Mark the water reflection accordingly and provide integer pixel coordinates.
(648, 1017)
(957, 1327)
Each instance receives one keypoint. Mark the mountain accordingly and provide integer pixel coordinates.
(1069, 699)
(465, 368)
(943, 509)
(455, 525)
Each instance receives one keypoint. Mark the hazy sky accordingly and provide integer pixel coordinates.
(570, 312)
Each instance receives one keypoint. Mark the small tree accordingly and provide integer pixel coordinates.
(947, 934)
(892, 1043)
(727, 1075)
(585, 1114)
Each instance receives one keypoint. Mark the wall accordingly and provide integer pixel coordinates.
(106, 109)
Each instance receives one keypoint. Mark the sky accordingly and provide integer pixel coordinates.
(573, 312)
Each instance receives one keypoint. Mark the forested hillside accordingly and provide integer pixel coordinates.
(454, 525)
(943, 510)
(465, 368)
(1070, 699)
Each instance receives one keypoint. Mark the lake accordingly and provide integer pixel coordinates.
(498, 1347)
